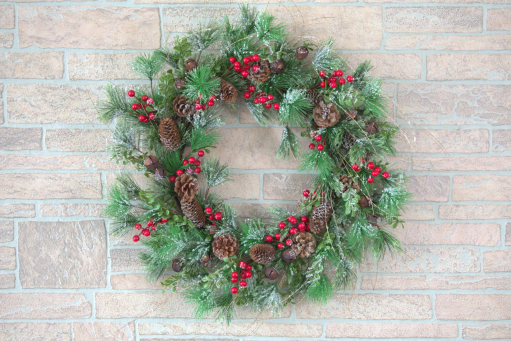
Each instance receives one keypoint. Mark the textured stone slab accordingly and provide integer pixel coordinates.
(429, 188)
(135, 281)
(408, 282)
(17, 211)
(48, 103)
(70, 210)
(88, 331)
(418, 212)
(391, 330)
(101, 66)
(242, 186)
(443, 141)
(497, 261)
(433, 104)
(6, 41)
(7, 16)
(369, 306)
(450, 43)
(488, 163)
(446, 67)
(428, 260)
(125, 259)
(389, 66)
(474, 212)
(481, 187)
(44, 306)
(74, 254)
(285, 186)
(7, 281)
(7, 258)
(6, 231)
(50, 186)
(434, 19)
(497, 19)
(501, 140)
(21, 138)
(37, 331)
(487, 331)
(38, 65)
(473, 307)
(77, 140)
(57, 162)
(89, 27)
(449, 234)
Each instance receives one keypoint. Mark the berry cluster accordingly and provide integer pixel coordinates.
(213, 217)
(317, 138)
(145, 102)
(151, 225)
(294, 227)
(375, 171)
(199, 106)
(245, 273)
(261, 98)
(335, 78)
(247, 63)
(190, 166)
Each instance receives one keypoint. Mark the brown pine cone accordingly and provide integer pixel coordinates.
(365, 201)
(320, 216)
(348, 140)
(160, 173)
(348, 182)
(262, 253)
(314, 96)
(180, 83)
(169, 134)
(262, 74)
(225, 245)
(326, 115)
(228, 92)
(181, 106)
(193, 211)
(186, 187)
(304, 244)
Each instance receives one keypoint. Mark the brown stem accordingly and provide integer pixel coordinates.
(254, 44)
(279, 91)
(198, 58)
(309, 63)
(207, 193)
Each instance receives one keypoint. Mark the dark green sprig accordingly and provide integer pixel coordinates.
(148, 65)
(201, 82)
(288, 144)
(115, 105)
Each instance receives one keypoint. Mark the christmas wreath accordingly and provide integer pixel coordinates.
(167, 127)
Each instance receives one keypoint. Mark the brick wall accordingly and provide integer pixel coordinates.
(447, 69)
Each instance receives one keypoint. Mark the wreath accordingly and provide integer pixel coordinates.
(167, 127)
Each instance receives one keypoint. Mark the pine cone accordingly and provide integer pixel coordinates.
(262, 253)
(169, 134)
(304, 244)
(348, 140)
(326, 115)
(181, 106)
(371, 128)
(180, 83)
(349, 183)
(313, 95)
(186, 187)
(160, 173)
(193, 211)
(228, 92)
(365, 201)
(225, 245)
(262, 74)
(320, 216)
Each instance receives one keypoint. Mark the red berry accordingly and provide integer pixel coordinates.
(277, 236)
(142, 118)
(290, 218)
(131, 93)
(304, 219)
(385, 175)
(138, 226)
(255, 68)
(322, 73)
(150, 223)
(342, 81)
(355, 167)
(234, 290)
(289, 242)
(211, 217)
(172, 178)
(267, 105)
(200, 153)
(244, 74)
(270, 97)
(191, 159)
(374, 173)
(134, 106)
(234, 274)
(243, 284)
(197, 170)
(370, 165)
(247, 274)
(163, 221)
(198, 106)
(234, 279)
(262, 100)
(179, 172)
(280, 246)
(211, 103)
(269, 239)
(276, 106)
(322, 84)
(146, 232)
(339, 73)
(218, 215)
(251, 88)
(246, 60)
(248, 267)
(151, 116)
(185, 162)
(203, 107)
(237, 68)
(349, 79)
(312, 146)
(255, 57)
(237, 64)
(301, 226)
(333, 84)
(242, 264)
(332, 79)
(306, 193)
(232, 59)
(282, 225)
(292, 231)
(145, 98)
(246, 94)
(320, 147)
(378, 169)
(208, 210)
(370, 180)
(136, 238)
(318, 138)
(256, 100)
